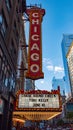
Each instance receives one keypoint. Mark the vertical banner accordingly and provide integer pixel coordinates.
(35, 43)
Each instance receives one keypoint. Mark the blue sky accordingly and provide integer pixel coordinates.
(58, 20)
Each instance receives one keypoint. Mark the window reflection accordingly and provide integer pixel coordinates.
(8, 4)
(3, 24)
(0, 19)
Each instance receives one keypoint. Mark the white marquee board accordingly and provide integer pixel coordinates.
(38, 101)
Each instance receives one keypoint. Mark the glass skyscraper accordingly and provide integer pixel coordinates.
(59, 83)
(70, 66)
(66, 42)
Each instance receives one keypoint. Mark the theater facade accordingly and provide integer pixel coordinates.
(37, 105)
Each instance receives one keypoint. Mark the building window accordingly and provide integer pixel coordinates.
(8, 4)
(15, 31)
(0, 59)
(13, 50)
(6, 80)
(0, 19)
(0, 62)
(6, 74)
(0, 67)
(3, 24)
(12, 82)
(14, 26)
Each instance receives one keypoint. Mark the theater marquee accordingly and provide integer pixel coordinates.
(36, 100)
(35, 43)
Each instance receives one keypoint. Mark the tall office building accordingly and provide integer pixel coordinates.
(66, 42)
(59, 82)
(10, 22)
(70, 66)
(62, 84)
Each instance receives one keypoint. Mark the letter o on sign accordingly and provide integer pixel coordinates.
(34, 68)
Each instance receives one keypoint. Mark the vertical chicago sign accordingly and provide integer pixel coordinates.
(35, 43)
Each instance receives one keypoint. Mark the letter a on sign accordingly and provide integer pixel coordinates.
(35, 43)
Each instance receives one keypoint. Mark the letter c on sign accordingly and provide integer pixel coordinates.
(34, 68)
(35, 37)
(35, 15)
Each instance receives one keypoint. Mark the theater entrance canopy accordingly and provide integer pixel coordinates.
(37, 105)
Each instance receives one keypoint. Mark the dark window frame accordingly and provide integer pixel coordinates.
(8, 5)
(3, 24)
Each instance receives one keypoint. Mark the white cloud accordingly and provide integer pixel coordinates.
(43, 84)
(48, 64)
(58, 69)
(50, 67)
(55, 69)
(47, 61)
(42, 81)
